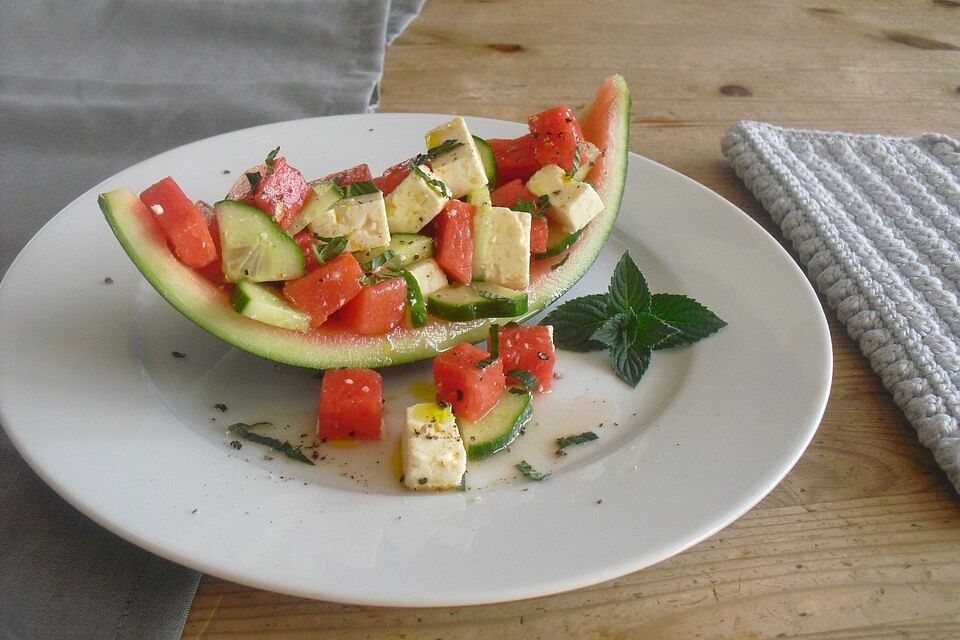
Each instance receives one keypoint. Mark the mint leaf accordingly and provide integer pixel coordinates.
(650, 331)
(617, 331)
(630, 363)
(692, 320)
(575, 321)
(628, 287)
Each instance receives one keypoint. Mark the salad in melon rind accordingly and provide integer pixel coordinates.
(605, 123)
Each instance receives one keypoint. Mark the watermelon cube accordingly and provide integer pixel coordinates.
(351, 405)
(326, 288)
(463, 384)
(181, 221)
(454, 240)
(377, 309)
(529, 349)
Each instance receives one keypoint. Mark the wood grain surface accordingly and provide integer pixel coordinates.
(862, 538)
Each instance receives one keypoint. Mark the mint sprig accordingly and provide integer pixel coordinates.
(630, 322)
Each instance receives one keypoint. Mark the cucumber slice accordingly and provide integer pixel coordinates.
(477, 300)
(262, 303)
(254, 247)
(324, 195)
(558, 246)
(480, 197)
(430, 277)
(498, 428)
(488, 159)
(407, 248)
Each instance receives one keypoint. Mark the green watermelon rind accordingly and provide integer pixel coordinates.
(208, 306)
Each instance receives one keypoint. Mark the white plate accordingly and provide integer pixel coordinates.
(95, 402)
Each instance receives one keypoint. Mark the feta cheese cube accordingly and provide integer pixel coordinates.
(429, 276)
(413, 203)
(363, 220)
(501, 251)
(461, 168)
(572, 204)
(432, 453)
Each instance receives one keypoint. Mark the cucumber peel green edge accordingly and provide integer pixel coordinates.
(208, 306)
(511, 425)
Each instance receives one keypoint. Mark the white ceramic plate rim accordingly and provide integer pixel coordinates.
(593, 550)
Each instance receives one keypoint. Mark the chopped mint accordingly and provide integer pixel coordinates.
(536, 208)
(527, 379)
(494, 344)
(435, 152)
(524, 467)
(575, 165)
(378, 261)
(359, 189)
(580, 438)
(415, 302)
(329, 248)
(561, 263)
(243, 430)
(271, 159)
(254, 178)
(433, 183)
(561, 246)
(380, 276)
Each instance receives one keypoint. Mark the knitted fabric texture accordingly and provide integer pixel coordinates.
(876, 222)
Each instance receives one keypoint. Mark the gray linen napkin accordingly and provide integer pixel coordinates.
(876, 222)
(86, 89)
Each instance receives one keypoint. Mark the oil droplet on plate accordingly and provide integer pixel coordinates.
(423, 391)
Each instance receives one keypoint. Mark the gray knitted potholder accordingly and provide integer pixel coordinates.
(876, 222)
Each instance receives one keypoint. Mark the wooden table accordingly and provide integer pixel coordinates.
(862, 539)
